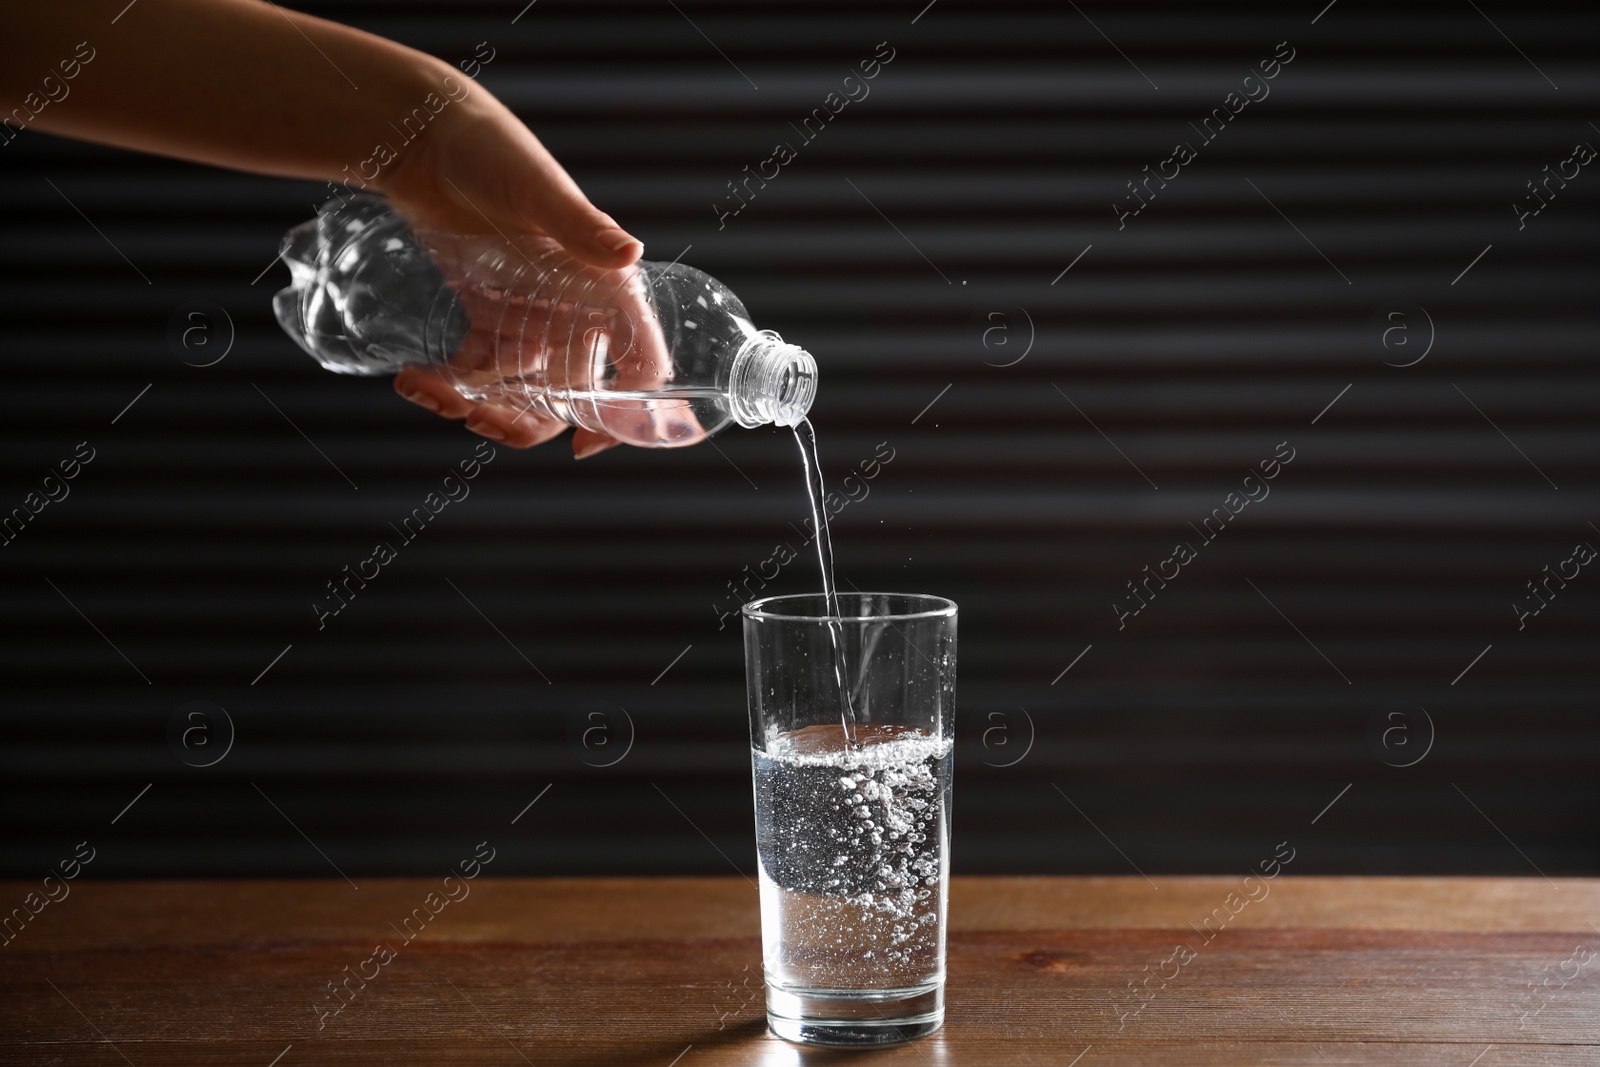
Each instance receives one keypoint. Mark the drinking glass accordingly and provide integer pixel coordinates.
(853, 836)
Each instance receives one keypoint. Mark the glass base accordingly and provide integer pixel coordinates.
(855, 1016)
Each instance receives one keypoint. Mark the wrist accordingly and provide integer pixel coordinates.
(437, 106)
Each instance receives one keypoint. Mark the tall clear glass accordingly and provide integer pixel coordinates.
(853, 841)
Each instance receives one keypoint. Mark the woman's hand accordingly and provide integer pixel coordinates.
(478, 169)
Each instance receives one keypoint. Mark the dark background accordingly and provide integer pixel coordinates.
(1222, 720)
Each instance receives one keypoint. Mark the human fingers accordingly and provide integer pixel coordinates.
(586, 443)
(518, 428)
(644, 363)
(511, 426)
(429, 389)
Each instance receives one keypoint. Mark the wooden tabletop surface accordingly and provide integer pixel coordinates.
(1466, 972)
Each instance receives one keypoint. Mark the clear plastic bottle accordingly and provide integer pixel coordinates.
(655, 355)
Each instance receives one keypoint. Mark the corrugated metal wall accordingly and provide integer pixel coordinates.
(1065, 397)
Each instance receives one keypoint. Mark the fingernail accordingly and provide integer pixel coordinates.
(591, 448)
(424, 400)
(615, 240)
(487, 429)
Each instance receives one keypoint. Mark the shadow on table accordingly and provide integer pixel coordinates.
(752, 1045)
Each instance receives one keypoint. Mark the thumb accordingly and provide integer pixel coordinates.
(592, 236)
(561, 210)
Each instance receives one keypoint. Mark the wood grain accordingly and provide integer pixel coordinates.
(618, 971)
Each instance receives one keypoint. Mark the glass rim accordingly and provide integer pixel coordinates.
(936, 607)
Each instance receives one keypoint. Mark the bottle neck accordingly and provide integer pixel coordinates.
(771, 382)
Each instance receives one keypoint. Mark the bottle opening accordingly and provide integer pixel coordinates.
(772, 381)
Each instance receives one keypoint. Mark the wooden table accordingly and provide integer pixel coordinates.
(1469, 972)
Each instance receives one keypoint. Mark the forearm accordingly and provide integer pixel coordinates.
(235, 83)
